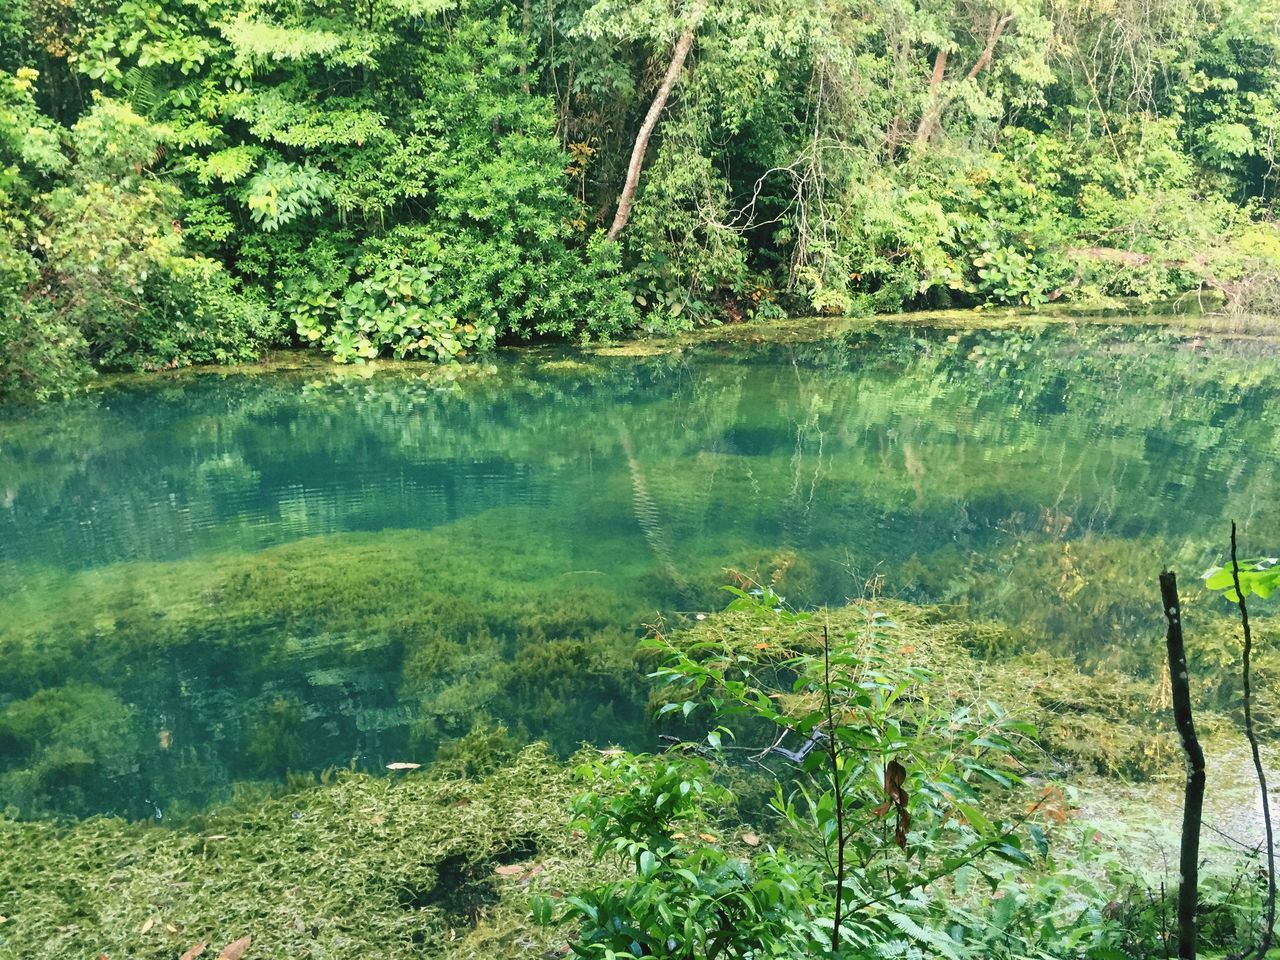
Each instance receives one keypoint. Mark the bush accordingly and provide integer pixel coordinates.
(899, 801)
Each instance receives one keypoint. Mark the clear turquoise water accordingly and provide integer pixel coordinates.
(222, 578)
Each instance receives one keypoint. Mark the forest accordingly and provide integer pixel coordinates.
(197, 181)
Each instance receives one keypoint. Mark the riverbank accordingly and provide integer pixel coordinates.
(306, 362)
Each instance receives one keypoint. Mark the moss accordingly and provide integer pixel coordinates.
(70, 745)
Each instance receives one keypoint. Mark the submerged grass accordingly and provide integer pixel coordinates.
(1100, 722)
(442, 861)
(365, 866)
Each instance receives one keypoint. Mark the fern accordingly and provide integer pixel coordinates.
(935, 939)
(141, 92)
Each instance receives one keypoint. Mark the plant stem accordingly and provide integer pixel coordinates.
(833, 752)
(1265, 944)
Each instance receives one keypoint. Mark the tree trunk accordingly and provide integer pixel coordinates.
(932, 116)
(933, 107)
(627, 197)
(985, 57)
(526, 30)
(1193, 797)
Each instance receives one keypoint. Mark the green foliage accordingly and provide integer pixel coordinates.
(904, 799)
(398, 309)
(1258, 577)
(94, 265)
(811, 157)
(116, 265)
(41, 353)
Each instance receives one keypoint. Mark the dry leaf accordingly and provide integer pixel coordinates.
(612, 752)
(170, 928)
(708, 837)
(147, 925)
(677, 836)
(4, 919)
(509, 870)
(538, 868)
(234, 951)
(195, 951)
(403, 766)
(751, 840)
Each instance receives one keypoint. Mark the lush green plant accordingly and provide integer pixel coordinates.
(41, 353)
(395, 310)
(1258, 576)
(898, 799)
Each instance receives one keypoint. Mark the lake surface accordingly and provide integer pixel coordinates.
(219, 579)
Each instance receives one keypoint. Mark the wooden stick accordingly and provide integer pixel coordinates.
(1193, 797)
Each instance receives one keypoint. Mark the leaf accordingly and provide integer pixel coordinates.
(751, 840)
(403, 766)
(895, 774)
(235, 950)
(147, 925)
(709, 838)
(509, 870)
(195, 951)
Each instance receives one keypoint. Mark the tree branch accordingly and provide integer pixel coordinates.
(1265, 943)
(932, 116)
(683, 45)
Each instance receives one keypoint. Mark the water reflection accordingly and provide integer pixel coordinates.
(230, 577)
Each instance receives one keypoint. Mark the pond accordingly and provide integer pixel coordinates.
(222, 578)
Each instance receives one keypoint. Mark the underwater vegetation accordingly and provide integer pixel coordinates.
(386, 866)
(229, 578)
(445, 860)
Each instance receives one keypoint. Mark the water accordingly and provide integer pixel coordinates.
(218, 579)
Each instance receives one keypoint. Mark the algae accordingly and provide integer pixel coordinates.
(365, 866)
